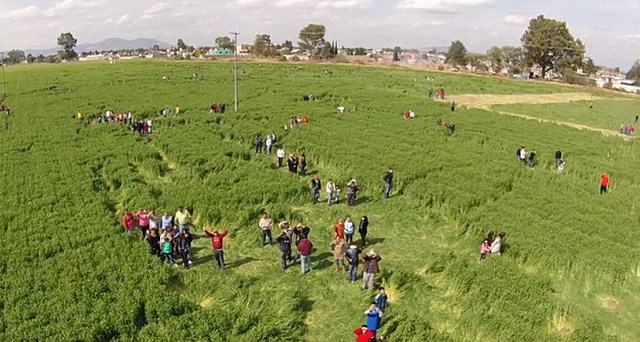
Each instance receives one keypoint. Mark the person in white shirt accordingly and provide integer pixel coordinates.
(265, 225)
(269, 144)
(523, 155)
(331, 189)
(280, 155)
(340, 109)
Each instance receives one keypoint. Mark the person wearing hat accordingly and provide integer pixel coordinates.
(353, 258)
(388, 184)
(338, 245)
(364, 334)
(371, 267)
(352, 190)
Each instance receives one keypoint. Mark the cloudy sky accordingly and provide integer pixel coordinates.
(609, 28)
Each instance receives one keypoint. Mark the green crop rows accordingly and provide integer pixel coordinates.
(570, 271)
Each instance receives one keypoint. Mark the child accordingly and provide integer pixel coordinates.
(484, 249)
(381, 299)
(167, 251)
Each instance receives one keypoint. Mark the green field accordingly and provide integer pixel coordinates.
(570, 271)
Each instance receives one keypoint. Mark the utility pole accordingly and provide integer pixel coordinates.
(4, 82)
(235, 70)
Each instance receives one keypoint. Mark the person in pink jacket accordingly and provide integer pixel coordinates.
(143, 221)
(484, 249)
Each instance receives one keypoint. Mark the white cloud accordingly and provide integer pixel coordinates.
(151, 12)
(343, 4)
(630, 36)
(442, 5)
(123, 19)
(515, 19)
(73, 4)
(291, 3)
(23, 13)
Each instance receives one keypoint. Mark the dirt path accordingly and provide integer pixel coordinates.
(486, 101)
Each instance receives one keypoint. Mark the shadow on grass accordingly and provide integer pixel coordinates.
(322, 261)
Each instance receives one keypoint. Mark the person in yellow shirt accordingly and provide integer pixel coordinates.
(182, 218)
(177, 109)
(79, 116)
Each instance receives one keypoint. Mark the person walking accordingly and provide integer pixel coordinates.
(371, 268)
(284, 240)
(269, 145)
(558, 158)
(331, 189)
(349, 229)
(265, 225)
(316, 185)
(183, 246)
(363, 229)
(338, 246)
(352, 190)
(216, 245)
(182, 218)
(305, 247)
(353, 258)
(280, 156)
(364, 334)
(388, 184)
(604, 183)
(129, 221)
(374, 315)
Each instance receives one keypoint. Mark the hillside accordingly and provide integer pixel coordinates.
(569, 271)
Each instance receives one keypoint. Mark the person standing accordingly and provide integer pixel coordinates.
(604, 183)
(523, 155)
(352, 190)
(216, 244)
(453, 106)
(353, 258)
(280, 155)
(269, 144)
(349, 229)
(183, 246)
(154, 242)
(129, 221)
(388, 184)
(284, 240)
(558, 158)
(338, 229)
(331, 189)
(167, 251)
(182, 218)
(363, 229)
(177, 109)
(371, 268)
(265, 225)
(374, 315)
(143, 221)
(302, 163)
(485, 248)
(166, 221)
(496, 245)
(259, 143)
(532, 158)
(305, 247)
(381, 299)
(292, 163)
(316, 185)
(364, 334)
(338, 245)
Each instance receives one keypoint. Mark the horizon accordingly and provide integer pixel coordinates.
(410, 24)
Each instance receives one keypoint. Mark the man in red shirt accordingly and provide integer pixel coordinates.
(216, 244)
(364, 334)
(604, 183)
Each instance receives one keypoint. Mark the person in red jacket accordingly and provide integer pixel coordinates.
(129, 221)
(604, 183)
(216, 244)
(305, 247)
(364, 334)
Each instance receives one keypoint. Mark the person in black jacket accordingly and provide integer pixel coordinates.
(183, 246)
(285, 247)
(558, 158)
(316, 185)
(388, 184)
(363, 229)
(154, 242)
(353, 254)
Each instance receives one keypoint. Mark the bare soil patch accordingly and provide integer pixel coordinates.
(487, 100)
(609, 303)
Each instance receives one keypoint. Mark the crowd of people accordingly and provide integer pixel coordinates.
(491, 245)
(295, 121)
(450, 127)
(408, 115)
(217, 108)
(627, 129)
(265, 144)
(527, 159)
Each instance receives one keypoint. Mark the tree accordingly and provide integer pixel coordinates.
(549, 44)
(477, 61)
(67, 42)
(634, 72)
(15, 56)
(457, 54)
(496, 59)
(225, 43)
(312, 38)
(589, 67)
(181, 44)
(31, 58)
(513, 58)
(396, 53)
(262, 46)
(287, 46)
(156, 47)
